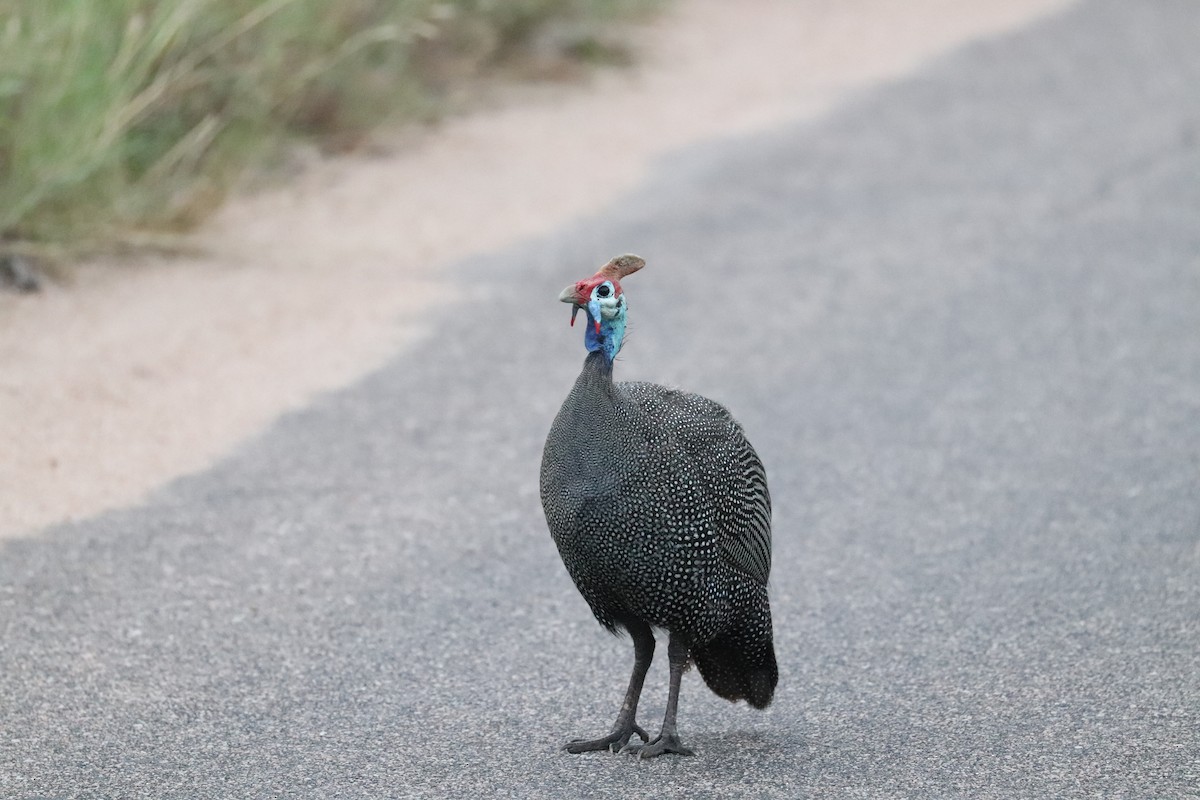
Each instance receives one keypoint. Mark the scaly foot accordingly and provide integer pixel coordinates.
(664, 743)
(617, 741)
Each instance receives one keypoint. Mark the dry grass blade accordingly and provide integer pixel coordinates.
(131, 114)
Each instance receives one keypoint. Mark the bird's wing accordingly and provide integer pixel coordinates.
(715, 446)
(747, 542)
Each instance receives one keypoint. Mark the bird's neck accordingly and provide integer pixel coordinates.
(594, 394)
(597, 371)
(609, 338)
(589, 410)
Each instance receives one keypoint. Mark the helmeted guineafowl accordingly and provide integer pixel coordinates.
(660, 511)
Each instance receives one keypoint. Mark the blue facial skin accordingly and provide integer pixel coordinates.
(612, 332)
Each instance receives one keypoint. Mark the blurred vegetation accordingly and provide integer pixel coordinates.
(118, 116)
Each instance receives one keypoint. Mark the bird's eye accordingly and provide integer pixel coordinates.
(604, 290)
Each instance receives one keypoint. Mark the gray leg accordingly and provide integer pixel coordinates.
(626, 724)
(668, 738)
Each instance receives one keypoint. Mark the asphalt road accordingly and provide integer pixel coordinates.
(960, 319)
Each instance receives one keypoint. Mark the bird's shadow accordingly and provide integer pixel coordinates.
(757, 745)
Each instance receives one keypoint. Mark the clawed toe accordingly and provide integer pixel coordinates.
(617, 741)
(661, 744)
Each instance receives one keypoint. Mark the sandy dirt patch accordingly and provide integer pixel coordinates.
(138, 373)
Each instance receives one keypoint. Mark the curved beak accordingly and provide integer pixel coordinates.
(569, 295)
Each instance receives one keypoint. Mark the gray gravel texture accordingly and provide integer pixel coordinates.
(960, 319)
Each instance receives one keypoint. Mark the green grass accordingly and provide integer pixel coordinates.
(126, 116)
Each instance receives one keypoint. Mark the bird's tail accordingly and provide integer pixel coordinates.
(740, 663)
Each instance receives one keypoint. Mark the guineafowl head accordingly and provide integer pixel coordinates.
(602, 298)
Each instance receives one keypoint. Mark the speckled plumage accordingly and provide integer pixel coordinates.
(659, 507)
